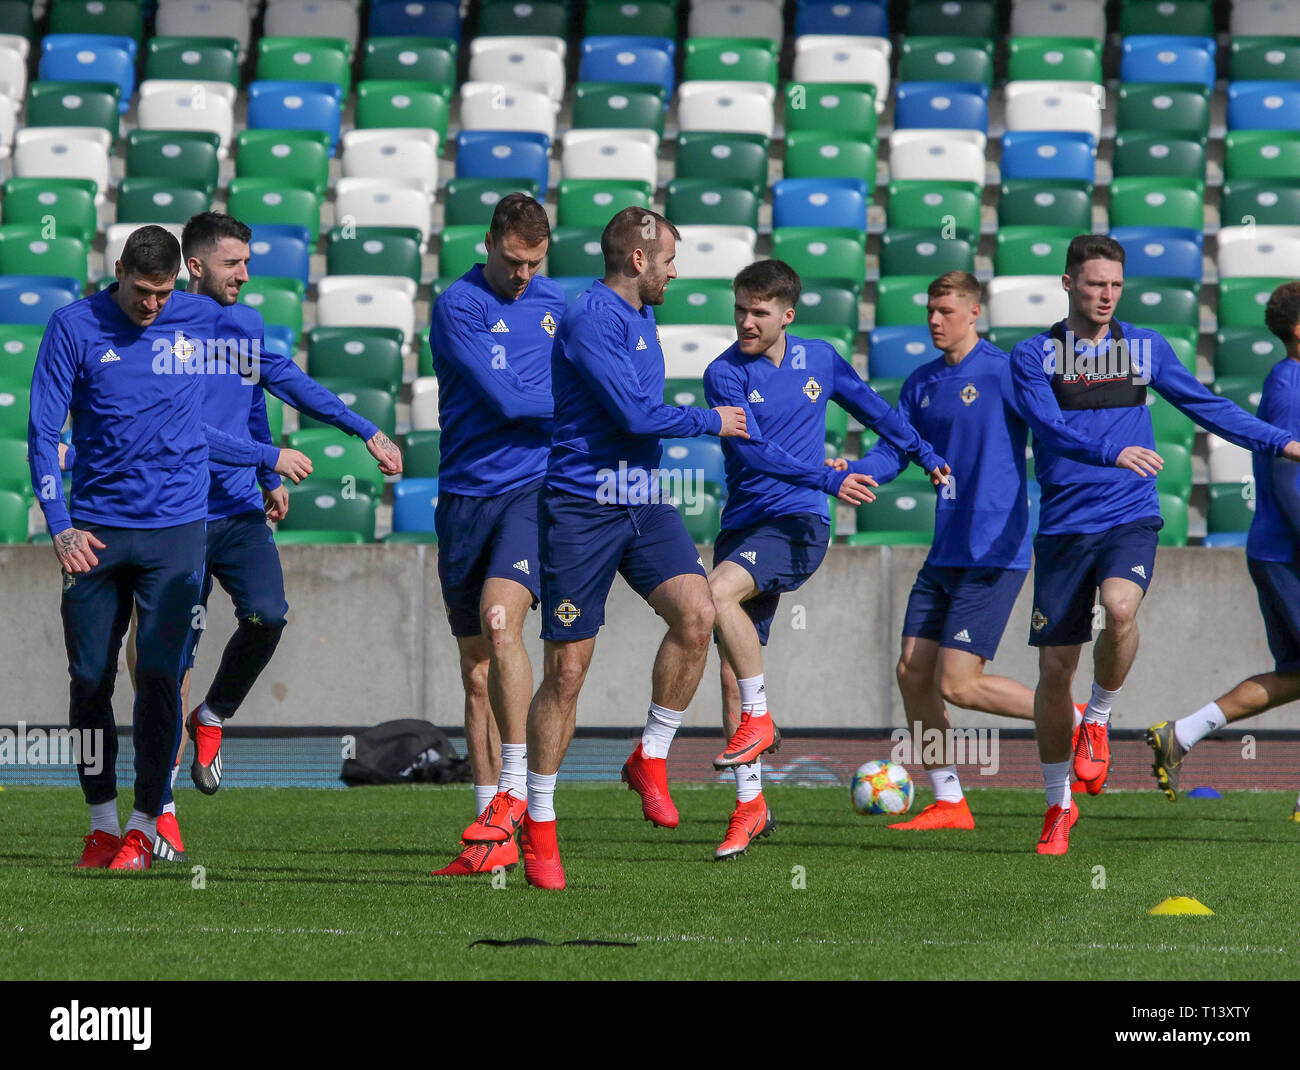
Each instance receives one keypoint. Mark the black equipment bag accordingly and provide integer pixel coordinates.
(405, 752)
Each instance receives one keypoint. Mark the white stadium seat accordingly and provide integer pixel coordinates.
(1044, 105)
(611, 154)
(734, 107)
(689, 350)
(1026, 300)
(367, 301)
(541, 69)
(852, 60)
(204, 18)
(424, 404)
(384, 202)
(410, 154)
(8, 125)
(167, 104)
(1265, 18)
(712, 258)
(1059, 18)
(487, 42)
(63, 152)
(1263, 252)
(1228, 463)
(737, 18)
(934, 156)
(313, 18)
(506, 106)
(13, 70)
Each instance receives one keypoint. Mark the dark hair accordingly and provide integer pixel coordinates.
(633, 228)
(1091, 247)
(521, 215)
(151, 252)
(961, 283)
(769, 280)
(1282, 313)
(204, 230)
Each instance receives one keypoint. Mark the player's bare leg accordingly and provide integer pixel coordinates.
(1113, 655)
(482, 739)
(964, 683)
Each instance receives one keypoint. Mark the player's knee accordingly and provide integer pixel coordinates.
(910, 680)
(1055, 674)
(566, 679)
(1121, 613)
(474, 677)
(958, 690)
(696, 624)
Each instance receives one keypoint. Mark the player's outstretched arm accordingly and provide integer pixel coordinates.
(1030, 391)
(875, 412)
(294, 465)
(385, 451)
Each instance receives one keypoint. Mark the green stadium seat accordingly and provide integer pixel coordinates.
(1176, 476)
(306, 59)
(1007, 338)
(299, 157)
(338, 457)
(946, 59)
(384, 104)
(16, 16)
(821, 154)
(294, 537)
(823, 252)
(825, 301)
(74, 104)
(619, 106)
(209, 59)
(715, 202)
(19, 344)
(462, 248)
(1139, 154)
(13, 517)
(684, 392)
(1031, 250)
(699, 301)
(15, 474)
(1154, 300)
(618, 18)
(917, 252)
(376, 405)
(845, 110)
(1168, 423)
(1254, 58)
(278, 300)
(1243, 390)
(406, 538)
(717, 156)
(68, 202)
(934, 205)
(274, 416)
(1246, 351)
(901, 300)
(1182, 340)
(422, 454)
(15, 404)
(1056, 59)
(1173, 510)
(592, 202)
(1031, 202)
(374, 251)
(1231, 506)
(1242, 300)
(704, 521)
(842, 338)
(837, 426)
(731, 59)
(1261, 154)
(471, 201)
(1165, 201)
(364, 359)
(25, 251)
(1261, 201)
(953, 18)
(188, 155)
(1188, 17)
(537, 18)
(160, 200)
(272, 200)
(421, 59)
(119, 18)
(889, 389)
(900, 515)
(575, 251)
(1179, 108)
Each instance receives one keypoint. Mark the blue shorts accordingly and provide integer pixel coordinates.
(481, 539)
(1068, 569)
(780, 554)
(963, 608)
(1278, 585)
(584, 543)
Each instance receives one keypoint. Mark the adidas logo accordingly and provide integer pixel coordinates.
(749, 555)
(640, 343)
(1140, 570)
(755, 397)
(751, 777)
(500, 327)
(962, 636)
(109, 357)
(925, 402)
(522, 566)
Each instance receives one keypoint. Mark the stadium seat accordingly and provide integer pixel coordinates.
(499, 154)
(700, 456)
(1039, 154)
(1261, 154)
(306, 59)
(190, 155)
(726, 107)
(841, 110)
(213, 59)
(1246, 350)
(631, 154)
(730, 59)
(692, 201)
(684, 392)
(1062, 59)
(1037, 202)
(1007, 338)
(735, 157)
(1069, 18)
(19, 20)
(424, 404)
(944, 59)
(697, 301)
(69, 203)
(13, 66)
(28, 299)
(1157, 202)
(711, 252)
(1266, 201)
(19, 344)
(617, 18)
(837, 426)
(63, 152)
(576, 251)
(371, 403)
(372, 356)
(820, 154)
(1173, 510)
(315, 18)
(278, 299)
(630, 59)
(15, 476)
(1228, 463)
(952, 18)
(1025, 301)
(165, 104)
(1152, 155)
(930, 155)
(1231, 506)
(853, 18)
(1176, 476)
(159, 200)
(592, 202)
(902, 514)
(901, 300)
(514, 65)
(316, 509)
(819, 202)
(1168, 423)
(204, 19)
(298, 156)
(860, 61)
(941, 106)
(1164, 108)
(918, 252)
(77, 57)
(1053, 106)
(896, 352)
(280, 251)
(1035, 250)
(736, 18)
(375, 250)
(1244, 391)
(407, 154)
(270, 200)
(1193, 17)
(74, 104)
(421, 455)
(1165, 58)
(367, 301)
(827, 302)
(1271, 17)
(420, 18)
(618, 105)
(115, 18)
(415, 502)
(1259, 251)
(381, 202)
(1263, 106)
(296, 106)
(15, 403)
(461, 248)
(1169, 251)
(688, 350)
(534, 18)
(338, 458)
(1225, 539)
(23, 251)
(703, 518)
(1152, 301)
(417, 59)
(934, 205)
(823, 253)
(1264, 58)
(13, 517)
(1182, 338)
(384, 104)
(473, 200)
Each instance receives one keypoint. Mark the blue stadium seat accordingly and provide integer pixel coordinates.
(820, 202)
(630, 59)
(1035, 504)
(574, 285)
(856, 18)
(702, 455)
(279, 339)
(414, 503)
(282, 250)
(528, 156)
(896, 352)
(1264, 106)
(1220, 539)
(1049, 154)
(942, 106)
(1168, 58)
(90, 57)
(296, 106)
(415, 18)
(32, 298)
(1172, 252)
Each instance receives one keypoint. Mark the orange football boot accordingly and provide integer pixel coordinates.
(755, 736)
(541, 848)
(499, 822)
(648, 777)
(749, 821)
(941, 815)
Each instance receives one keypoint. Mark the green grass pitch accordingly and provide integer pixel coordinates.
(332, 884)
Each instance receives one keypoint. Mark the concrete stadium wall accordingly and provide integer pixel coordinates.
(368, 641)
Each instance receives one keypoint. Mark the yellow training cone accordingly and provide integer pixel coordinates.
(1180, 904)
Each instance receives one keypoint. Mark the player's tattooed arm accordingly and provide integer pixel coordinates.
(76, 550)
(385, 451)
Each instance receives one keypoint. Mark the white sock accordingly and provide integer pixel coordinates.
(1078, 715)
(541, 796)
(946, 784)
(176, 768)
(1098, 711)
(103, 818)
(749, 782)
(1056, 775)
(1193, 728)
(1297, 802)
(141, 822)
(514, 769)
(482, 796)
(169, 808)
(753, 696)
(661, 725)
(207, 717)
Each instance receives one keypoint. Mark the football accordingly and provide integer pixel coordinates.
(881, 788)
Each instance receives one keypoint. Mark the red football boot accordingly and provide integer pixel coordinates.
(648, 777)
(481, 858)
(136, 852)
(1055, 839)
(754, 737)
(541, 849)
(749, 822)
(101, 848)
(499, 822)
